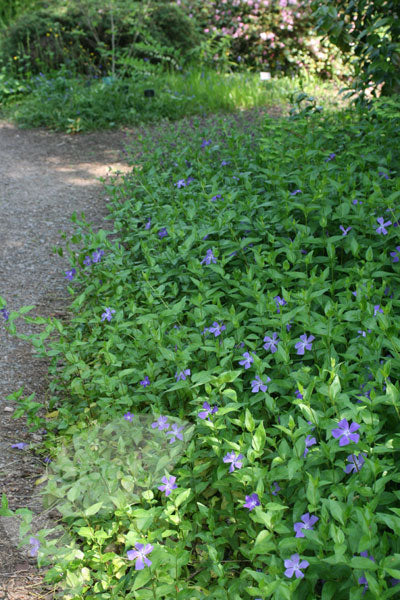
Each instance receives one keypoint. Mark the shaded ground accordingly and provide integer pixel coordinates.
(44, 178)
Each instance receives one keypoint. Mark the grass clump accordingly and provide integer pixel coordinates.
(249, 295)
(65, 102)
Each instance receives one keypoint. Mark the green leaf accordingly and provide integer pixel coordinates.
(182, 497)
(249, 421)
(92, 510)
(258, 439)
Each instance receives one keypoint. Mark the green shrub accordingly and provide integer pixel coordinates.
(89, 37)
(370, 29)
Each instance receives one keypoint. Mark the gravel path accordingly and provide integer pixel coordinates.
(44, 178)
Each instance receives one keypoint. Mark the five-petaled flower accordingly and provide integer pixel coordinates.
(308, 522)
(252, 501)
(236, 461)
(107, 314)
(257, 384)
(146, 381)
(382, 225)
(294, 565)
(271, 343)
(128, 416)
(169, 485)
(87, 261)
(175, 433)
(377, 309)
(203, 414)
(5, 313)
(224, 163)
(310, 441)
(304, 344)
(275, 489)
(140, 555)
(295, 192)
(35, 545)
(163, 232)
(205, 143)
(96, 255)
(217, 329)
(395, 254)
(247, 360)
(298, 395)
(214, 198)
(355, 462)
(70, 274)
(161, 423)
(343, 230)
(330, 157)
(279, 302)
(346, 432)
(147, 224)
(209, 258)
(182, 375)
(180, 183)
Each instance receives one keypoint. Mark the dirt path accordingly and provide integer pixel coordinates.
(44, 178)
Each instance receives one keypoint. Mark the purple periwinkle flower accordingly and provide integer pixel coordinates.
(252, 501)
(346, 432)
(140, 555)
(295, 192)
(271, 343)
(47, 459)
(363, 581)
(205, 143)
(70, 274)
(257, 384)
(377, 309)
(275, 488)
(310, 441)
(395, 254)
(289, 326)
(163, 232)
(87, 261)
(161, 423)
(298, 395)
(96, 255)
(344, 231)
(214, 198)
(384, 175)
(308, 521)
(107, 314)
(147, 224)
(330, 157)
(279, 302)
(20, 445)
(382, 225)
(207, 411)
(35, 545)
(304, 344)
(224, 163)
(129, 416)
(169, 485)
(247, 360)
(180, 183)
(145, 382)
(5, 313)
(236, 461)
(217, 329)
(294, 565)
(175, 433)
(355, 462)
(182, 375)
(209, 258)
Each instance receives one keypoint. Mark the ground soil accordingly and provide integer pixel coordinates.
(44, 178)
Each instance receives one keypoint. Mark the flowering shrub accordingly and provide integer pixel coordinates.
(270, 35)
(286, 485)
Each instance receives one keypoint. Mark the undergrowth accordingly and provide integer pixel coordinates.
(246, 303)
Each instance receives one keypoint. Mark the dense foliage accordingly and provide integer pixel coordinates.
(370, 30)
(245, 303)
(271, 35)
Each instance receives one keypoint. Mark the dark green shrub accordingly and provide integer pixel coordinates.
(371, 30)
(88, 37)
